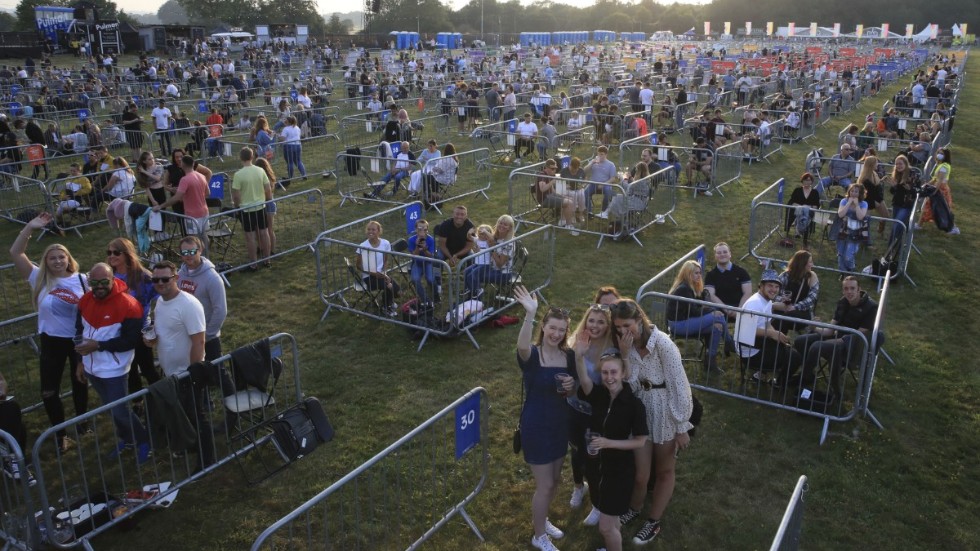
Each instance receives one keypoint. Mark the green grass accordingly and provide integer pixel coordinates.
(912, 485)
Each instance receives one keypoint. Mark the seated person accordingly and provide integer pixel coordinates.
(919, 152)
(527, 131)
(700, 161)
(77, 187)
(546, 196)
(423, 170)
(423, 246)
(752, 138)
(800, 289)
(636, 195)
(760, 345)
(685, 319)
(672, 160)
(806, 199)
(453, 237)
(493, 266)
(399, 169)
(841, 170)
(372, 264)
(855, 310)
(573, 175)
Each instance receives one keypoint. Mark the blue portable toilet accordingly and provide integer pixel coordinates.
(441, 40)
(458, 37)
(393, 37)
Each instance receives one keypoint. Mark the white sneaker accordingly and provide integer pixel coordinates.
(578, 492)
(706, 193)
(660, 219)
(604, 215)
(553, 530)
(543, 543)
(954, 231)
(593, 518)
(575, 233)
(916, 226)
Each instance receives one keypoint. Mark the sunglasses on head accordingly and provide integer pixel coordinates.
(610, 353)
(563, 312)
(162, 279)
(599, 307)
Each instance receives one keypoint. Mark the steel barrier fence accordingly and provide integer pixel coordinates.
(627, 207)
(827, 382)
(18, 528)
(423, 479)
(787, 537)
(16, 301)
(21, 198)
(316, 154)
(298, 218)
(93, 488)
(361, 131)
(501, 140)
(767, 230)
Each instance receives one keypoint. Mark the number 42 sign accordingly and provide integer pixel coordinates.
(467, 425)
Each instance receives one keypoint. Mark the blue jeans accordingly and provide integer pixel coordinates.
(478, 274)
(398, 179)
(704, 325)
(129, 428)
(420, 269)
(294, 158)
(590, 190)
(902, 214)
(846, 249)
(828, 181)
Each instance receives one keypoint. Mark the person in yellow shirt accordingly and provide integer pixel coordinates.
(76, 188)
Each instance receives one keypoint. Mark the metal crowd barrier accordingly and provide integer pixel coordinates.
(840, 376)
(18, 528)
(644, 202)
(359, 176)
(787, 537)
(767, 230)
(317, 153)
(361, 131)
(426, 478)
(501, 140)
(298, 219)
(22, 198)
(89, 490)
(16, 301)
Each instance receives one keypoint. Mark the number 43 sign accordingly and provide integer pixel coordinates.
(467, 425)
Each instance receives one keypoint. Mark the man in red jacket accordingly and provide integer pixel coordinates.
(107, 330)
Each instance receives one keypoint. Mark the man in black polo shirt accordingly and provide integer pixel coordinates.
(452, 237)
(727, 283)
(855, 310)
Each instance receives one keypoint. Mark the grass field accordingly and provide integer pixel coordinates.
(911, 486)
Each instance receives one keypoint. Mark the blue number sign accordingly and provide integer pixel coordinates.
(467, 425)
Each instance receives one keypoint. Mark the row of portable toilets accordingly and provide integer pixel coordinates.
(406, 40)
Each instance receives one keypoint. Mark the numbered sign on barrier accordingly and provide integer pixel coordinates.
(35, 154)
(217, 186)
(467, 425)
(700, 258)
(412, 215)
(83, 114)
(882, 145)
(902, 124)
(781, 190)
(662, 154)
(293, 94)
(202, 106)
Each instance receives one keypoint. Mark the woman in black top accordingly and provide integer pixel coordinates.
(132, 123)
(903, 183)
(806, 199)
(618, 426)
(800, 289)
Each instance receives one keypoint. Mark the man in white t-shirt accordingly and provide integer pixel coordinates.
(304, 99)
(161, 122)
(179, 322)
(526, 132)
(760, 345)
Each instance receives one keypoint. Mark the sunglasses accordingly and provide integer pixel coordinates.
(100, 282)
(599, 307)
(188, 252)
(555, 310)
(610, 353)
(162, 279)
(111, 252)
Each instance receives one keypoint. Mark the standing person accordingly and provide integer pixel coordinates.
(611, 438)
(250, 188)
(493, 102)
(292, 148)
(510, 103)
(657, 377)
(127, 267)
(270, 208)
(596, 329)
(193, 192)
(199, 278)
(109, 322)
(133, 127)
(544, 414)
(904, 184)
(179, 321)
(852, 211)
(939, 178)
(56, 287)
(161, 122)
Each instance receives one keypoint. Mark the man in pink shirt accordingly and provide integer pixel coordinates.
(193, 190)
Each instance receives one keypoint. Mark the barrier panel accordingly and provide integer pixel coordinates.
(77, 209)
(362, 131)
(362, 177)
(22, 198)
(627, 208)
(424, 480)
(94, 486)
(18, 529)
(299, 217)
(501, 140)
(768, 229)
(820, 378)
(787, 537)
(316, 154)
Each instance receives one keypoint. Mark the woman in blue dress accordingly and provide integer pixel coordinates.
(547, 364)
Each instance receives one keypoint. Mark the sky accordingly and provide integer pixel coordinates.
(326, 6)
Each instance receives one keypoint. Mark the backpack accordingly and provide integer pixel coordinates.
(940, 208)
(352, 160)
(888, 262)
(299, 430)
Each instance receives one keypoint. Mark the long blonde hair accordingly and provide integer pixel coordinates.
(868, 170)
(685, 276)
(606, 341)
(44, 280)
